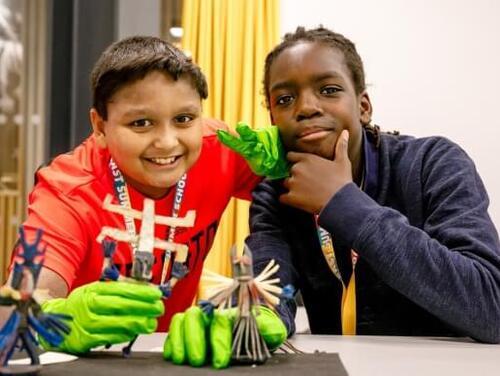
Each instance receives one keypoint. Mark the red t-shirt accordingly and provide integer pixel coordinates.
(67, 204)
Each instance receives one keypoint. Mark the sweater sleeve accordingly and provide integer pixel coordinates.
(451, 265)
(267, 241)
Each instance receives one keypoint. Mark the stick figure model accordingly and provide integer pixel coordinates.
(249, 291)
(21, 293)
(143, 245)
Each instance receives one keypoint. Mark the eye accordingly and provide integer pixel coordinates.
(330, 90)
(141, 123)
(283, 100)
(183, 119)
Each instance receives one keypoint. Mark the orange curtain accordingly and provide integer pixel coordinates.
(229, 40)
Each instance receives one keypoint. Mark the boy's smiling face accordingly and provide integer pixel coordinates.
(312, 99)
(153, 131)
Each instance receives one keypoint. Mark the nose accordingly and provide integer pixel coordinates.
(165, 137)
(307, 106)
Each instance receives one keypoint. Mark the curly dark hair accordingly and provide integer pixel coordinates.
(131, 59)
(334, 40)
(325, 36)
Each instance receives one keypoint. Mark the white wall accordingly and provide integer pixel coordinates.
(432, 66)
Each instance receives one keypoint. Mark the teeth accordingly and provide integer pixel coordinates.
(163, 161)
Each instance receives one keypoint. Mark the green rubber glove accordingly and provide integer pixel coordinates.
(262, 149)
(106, 313)
(193, 335)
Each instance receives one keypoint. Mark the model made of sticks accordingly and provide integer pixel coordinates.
(21, 293)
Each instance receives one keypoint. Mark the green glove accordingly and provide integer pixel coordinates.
(106, 313)
(262, 148)
(190, 331)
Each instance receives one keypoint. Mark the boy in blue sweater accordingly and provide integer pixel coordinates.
(383, 234)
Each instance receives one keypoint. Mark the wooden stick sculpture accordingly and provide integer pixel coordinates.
(249, 292)
(143, 245)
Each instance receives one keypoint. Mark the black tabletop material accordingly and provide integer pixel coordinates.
(150, 363)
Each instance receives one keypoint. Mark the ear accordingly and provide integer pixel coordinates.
(98, 124)
(365, 108)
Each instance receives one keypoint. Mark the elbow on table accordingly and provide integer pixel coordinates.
(490, 339)
(489, 334)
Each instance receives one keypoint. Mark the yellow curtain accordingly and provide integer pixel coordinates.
(229, 40)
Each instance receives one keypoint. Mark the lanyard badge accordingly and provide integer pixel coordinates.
(348, 303)
(143, 244)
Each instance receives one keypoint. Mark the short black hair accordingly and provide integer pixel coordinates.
(324, 36)
(131, 59)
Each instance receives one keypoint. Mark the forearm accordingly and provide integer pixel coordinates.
(52, 283)
(5, 312)
(458, 282)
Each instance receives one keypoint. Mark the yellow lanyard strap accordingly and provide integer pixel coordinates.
(348, 307)
(348, 304)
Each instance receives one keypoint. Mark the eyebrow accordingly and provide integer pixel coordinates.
(316, 78)
(140, 111)
(135, 112)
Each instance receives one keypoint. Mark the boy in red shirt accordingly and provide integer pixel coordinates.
(148, 135)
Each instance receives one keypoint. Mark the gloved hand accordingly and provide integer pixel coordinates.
(187, 337)
(106, 313)
(262, 148)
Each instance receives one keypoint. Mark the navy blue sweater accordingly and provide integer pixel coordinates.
(429, 255)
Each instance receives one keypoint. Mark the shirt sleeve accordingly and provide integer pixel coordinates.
(450, 265)
(245, 179)
(63, 233)
(267, 241)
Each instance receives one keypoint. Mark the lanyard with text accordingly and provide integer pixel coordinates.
(348, 304)
(122, 194)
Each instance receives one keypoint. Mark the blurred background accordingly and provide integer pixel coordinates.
(432, 68)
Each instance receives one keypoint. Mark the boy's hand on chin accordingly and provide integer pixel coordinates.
(315, 180)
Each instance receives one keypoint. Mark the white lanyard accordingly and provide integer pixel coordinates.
(121, 192)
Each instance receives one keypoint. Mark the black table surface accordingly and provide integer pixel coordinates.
(151, 363)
